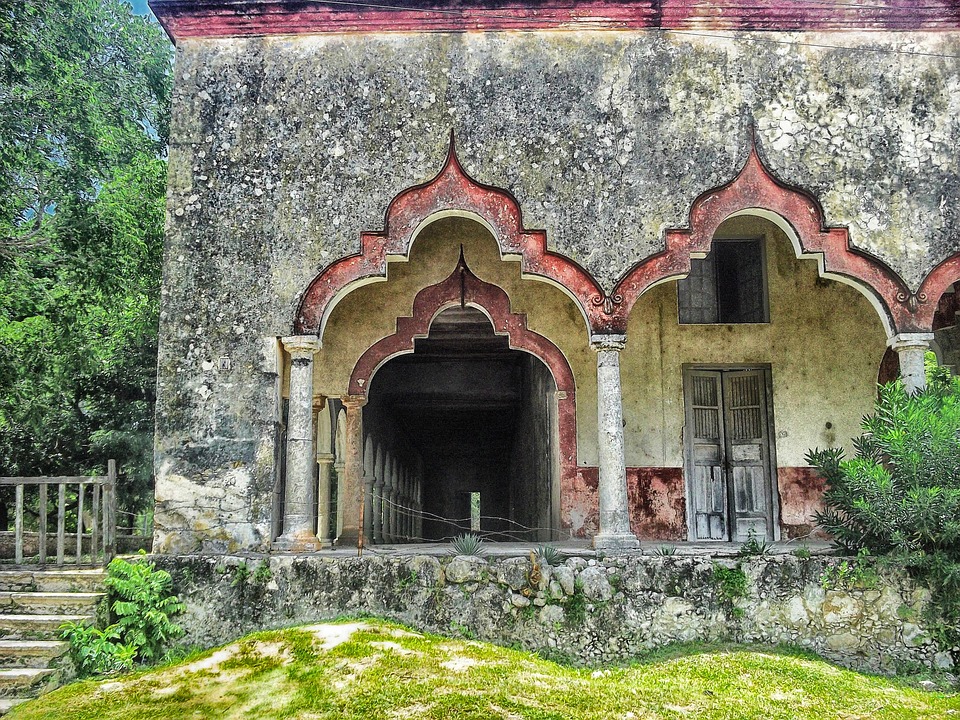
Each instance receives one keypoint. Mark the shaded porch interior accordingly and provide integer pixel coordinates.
(479, 418)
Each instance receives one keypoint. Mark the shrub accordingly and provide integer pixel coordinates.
(97, 652)
(900, 495)
(140, 608)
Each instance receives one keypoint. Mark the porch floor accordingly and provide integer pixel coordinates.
(582, 548)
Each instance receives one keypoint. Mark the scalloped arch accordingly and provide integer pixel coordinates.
(463, 287)
(755, 190)
(451, 192)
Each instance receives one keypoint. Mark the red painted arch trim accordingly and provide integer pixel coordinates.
(462, 286)
(756, 188)
(934, 285)
(451, 191)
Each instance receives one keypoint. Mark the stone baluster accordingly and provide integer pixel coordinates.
(614, 530)
(299, 502)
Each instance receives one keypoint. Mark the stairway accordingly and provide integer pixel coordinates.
(33, 606)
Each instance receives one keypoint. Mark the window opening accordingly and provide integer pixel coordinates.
(727, 286)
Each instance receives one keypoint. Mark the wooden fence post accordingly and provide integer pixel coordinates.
(110, 513)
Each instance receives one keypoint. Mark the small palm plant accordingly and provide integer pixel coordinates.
(467, 544)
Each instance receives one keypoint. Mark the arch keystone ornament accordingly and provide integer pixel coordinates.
(452, 192)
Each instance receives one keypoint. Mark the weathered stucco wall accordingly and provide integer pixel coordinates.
(582, 609)
(284, 149)
(824, 343)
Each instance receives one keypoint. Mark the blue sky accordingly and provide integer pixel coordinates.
(140, 7)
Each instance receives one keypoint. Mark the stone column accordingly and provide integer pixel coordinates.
(325, 461)
(352, 471)
(614, 531)
(299, 502)
(911, 349)
(369, 478)
(387, 499)
(404, 505)
(378, 500)
(394, 497)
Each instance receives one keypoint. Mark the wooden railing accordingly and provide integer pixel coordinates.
(90, 531)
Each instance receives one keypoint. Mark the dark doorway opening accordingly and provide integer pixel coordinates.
(482, 419)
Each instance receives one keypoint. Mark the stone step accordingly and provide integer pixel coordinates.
(31, 653)
(24, 682)
(7, 704)
(37, 627)
(49, 603)
(20, 580)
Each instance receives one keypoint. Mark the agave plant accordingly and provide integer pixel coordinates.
(665, 550)
(549, 555)
(467, 544)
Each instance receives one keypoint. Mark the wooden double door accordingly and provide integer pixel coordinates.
(729, 464)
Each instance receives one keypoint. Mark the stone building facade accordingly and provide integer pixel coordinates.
(551, 269)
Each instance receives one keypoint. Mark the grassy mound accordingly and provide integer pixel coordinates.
(371, 669)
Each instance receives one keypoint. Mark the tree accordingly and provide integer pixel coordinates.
(84, 115)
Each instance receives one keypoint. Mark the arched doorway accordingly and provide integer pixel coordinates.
(482, 418)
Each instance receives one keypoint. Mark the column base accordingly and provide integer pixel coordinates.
(348, 538)
(297, 542)
(613, 541)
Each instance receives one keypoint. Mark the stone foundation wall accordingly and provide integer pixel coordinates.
(581, 609)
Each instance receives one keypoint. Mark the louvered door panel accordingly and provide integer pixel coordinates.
(747, 449)
(705, 450)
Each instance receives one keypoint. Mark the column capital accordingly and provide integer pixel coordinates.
(325, 458)
(301, 347)
(353, 401)
(902, 341)
(608, 342)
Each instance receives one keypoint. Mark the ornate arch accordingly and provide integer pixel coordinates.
(462, 287)
(451, 192)
(755, 190)
(932, 288)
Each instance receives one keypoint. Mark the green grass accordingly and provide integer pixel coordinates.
(371, 669)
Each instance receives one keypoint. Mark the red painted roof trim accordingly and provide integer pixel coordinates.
(247, 18)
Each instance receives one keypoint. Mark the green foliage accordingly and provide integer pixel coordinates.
(97, 652)
(241, 576)
(262, 574)
(549, 555)
(846, 574)
(467, 544)
(575, 607)
(84, 97)
(665, 550)
(731, 586)
(900, 495)
(141, 606)
(754, 546)
(802, 552)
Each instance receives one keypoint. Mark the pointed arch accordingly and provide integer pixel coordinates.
(757, 191)
(452, 192)
(462, 287)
